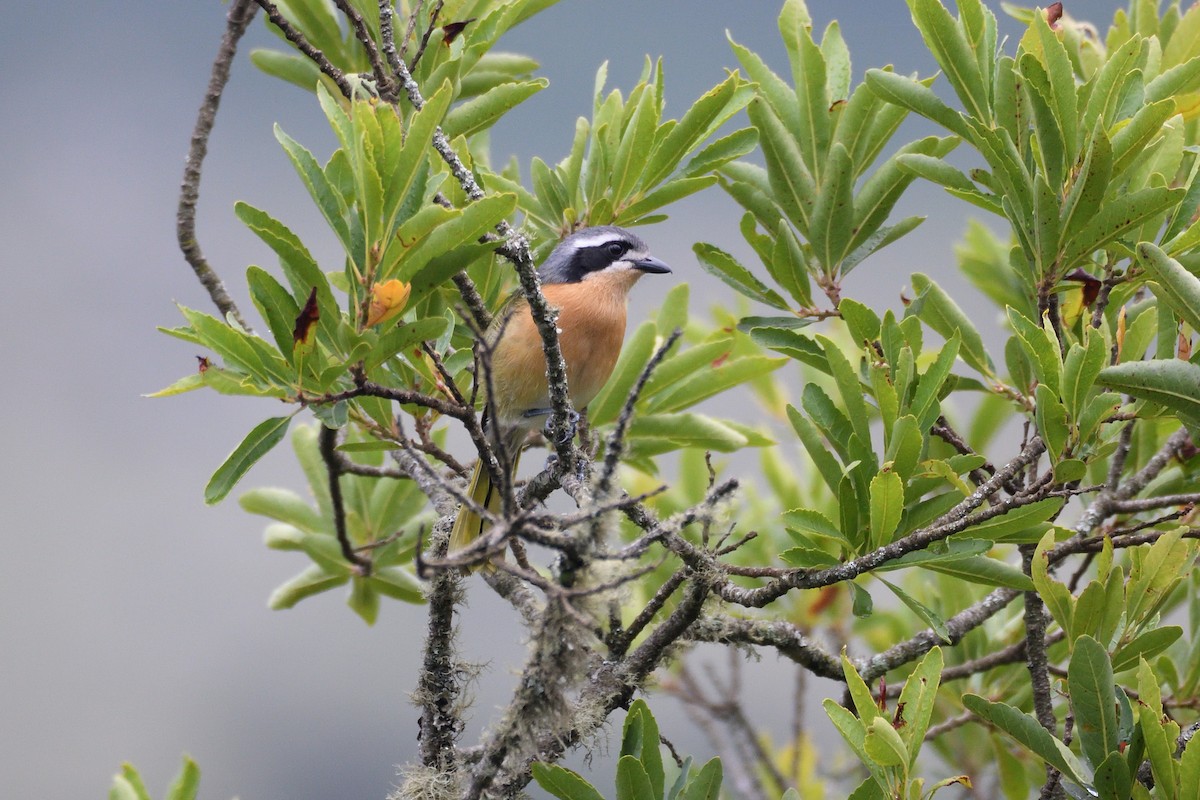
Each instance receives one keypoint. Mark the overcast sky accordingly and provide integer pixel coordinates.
(134, 623)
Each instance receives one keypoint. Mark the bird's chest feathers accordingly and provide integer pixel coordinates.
(591, 321)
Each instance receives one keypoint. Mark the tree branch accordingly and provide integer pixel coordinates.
(241, 12)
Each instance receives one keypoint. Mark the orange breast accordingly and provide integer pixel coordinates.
(592, 324)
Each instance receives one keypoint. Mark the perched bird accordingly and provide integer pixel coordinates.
(587, 277)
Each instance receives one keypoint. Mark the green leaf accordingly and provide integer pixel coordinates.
(563, 783)
(954, 54)
(716, 379)
(1118, 216)
(1178, 287)
(329, 200)
(293, 68)
(1030, 733)
(781, 97)
(634, 355)
(313, 580)
(686, 364)
(1168, 382)
(449, 236)
(864, 702)
(884, 745)
(479, 113)
(696, 125)
(186, 783)
(707, 783)
(632, 781)
(925, 403)
(399, 338)
(1080, 368)
(813, 521)
(283, 505)
(810, 437)
(687, 430)
(257, 443)
(670, 192)
(128, 785)
(918, 699)
(924, 612)
(1155, 573)
(1055, 595)
(985, 571)
(917, 97)
(1089, 188)
(1062, 81)
(641, 740)
(1146, 645)
(1130, 141)
(722, 151)
(832, 227)
(398, 584)
(239, 349)
(794, 188)
(1051, 417)
(637, 141)
(936, 170)
(276, 305)
(939, 311)
(849, 388)
(1042, 349)
(1189, 770)
(1022, 524)
(720, 264)
(887, 504)
(862, 605)
(1159, 746)
(1111, 779)
(1090, 683)
(299, 266)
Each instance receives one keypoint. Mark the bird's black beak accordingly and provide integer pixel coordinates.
(652, 264)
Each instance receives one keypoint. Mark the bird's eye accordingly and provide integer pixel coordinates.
(616, 249)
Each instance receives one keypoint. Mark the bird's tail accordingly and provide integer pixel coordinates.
(470, 526)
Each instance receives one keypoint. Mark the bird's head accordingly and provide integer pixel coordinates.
(603, 250)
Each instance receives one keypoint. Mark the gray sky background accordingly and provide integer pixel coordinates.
(133, 619)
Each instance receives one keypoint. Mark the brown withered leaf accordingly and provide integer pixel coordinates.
(1054, 13)
(451, 32)
(204, 364)
(307, 319)
(1091, 285)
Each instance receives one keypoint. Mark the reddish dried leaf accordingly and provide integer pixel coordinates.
(1054, 13)
(1091, 285)
(825, 597)
(204, 364)
(451, 32)
(307, 319)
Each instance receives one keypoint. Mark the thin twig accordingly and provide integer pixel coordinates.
(241, 12)
(293, 35)
(327, 441)
(383, 83)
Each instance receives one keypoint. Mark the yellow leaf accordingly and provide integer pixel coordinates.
(387, 300)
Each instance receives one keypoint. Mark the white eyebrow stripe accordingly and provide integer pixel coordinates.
(597, 240)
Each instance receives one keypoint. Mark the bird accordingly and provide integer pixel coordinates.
(587, 277)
